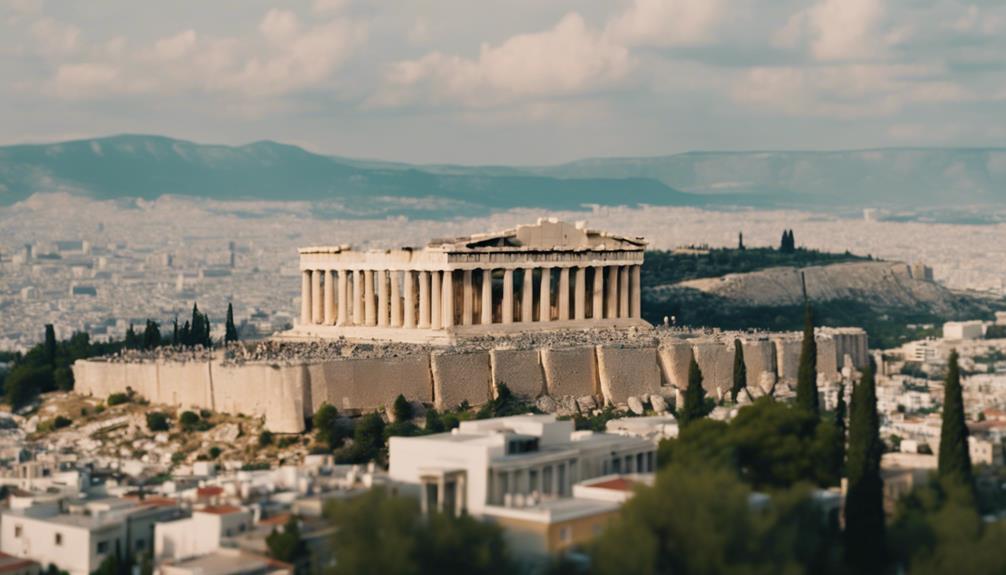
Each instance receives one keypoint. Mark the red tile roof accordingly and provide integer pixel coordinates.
(280, 519)
(220, 509)
(10, 563)
(616, 484)
(209, 491)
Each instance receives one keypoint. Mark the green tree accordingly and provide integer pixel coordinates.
(24, 383)
(158, 421)
(50, 345)
(287, 545)
(695, 396)
(381, 534)
(841, 429)
(740, 370)
(955, 458)
(327, 429)
(806, 377)
(696, 520)
(133, 341)
(865, 532)
(188, 420)
(175, 335)
(265, 438)
(62, 378)
(151, 335)
(230, 331)
(402, 409)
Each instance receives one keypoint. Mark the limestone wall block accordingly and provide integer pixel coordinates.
(759, 358)
(716, 360)
(570, 371)
(828, 361)
(674, 358)
(625, 372)
(459, 377)
(787, 350)
(520, 370)
(371, 383)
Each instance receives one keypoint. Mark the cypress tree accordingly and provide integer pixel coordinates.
(230, 332)
(740, 370)
(864, 503)
(840, 425)
(50, 344)
(695, 396)
(784, 242)
(955, 459)
(151, 335)
(740, 241)
(806, 378)
(174, 333)
(132, 342)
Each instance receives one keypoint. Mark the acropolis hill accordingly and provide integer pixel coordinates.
(447, 325)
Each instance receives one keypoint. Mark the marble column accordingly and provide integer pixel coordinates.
(527, 297)
(545, 303)
(487, 296)
(396, 300)
(611, 311)
(317, 308)
(369, 305)
(305, 297)
(623, 292)
(381, 282)
(436, 301)
(343, 315)
(330, 297)
(409, 279)
(564, 294)
(359, 318)
(597, 309)
(467, 301)
(580, 294)
(424, 300)
(448, 296)
(636, 305)
(506, 307)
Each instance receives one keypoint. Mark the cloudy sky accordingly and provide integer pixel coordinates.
(509, 81)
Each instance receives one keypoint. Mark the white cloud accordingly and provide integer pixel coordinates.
(279, 26)
(55, 38)
(83, 81)
(177, 46)
(666, 23)
(323, 6)
(837, 30)
(566, 59)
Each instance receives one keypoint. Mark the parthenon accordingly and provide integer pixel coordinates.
(549, 275)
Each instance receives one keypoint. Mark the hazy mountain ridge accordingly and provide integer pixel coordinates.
(151, 166)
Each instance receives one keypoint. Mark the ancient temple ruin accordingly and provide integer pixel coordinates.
(548, 275)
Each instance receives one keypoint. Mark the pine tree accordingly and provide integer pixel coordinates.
(175, 336)
(695, 396)
(230, 332)
(132, 341)
(50, 344)
(740, 370)
(955, 459)
(864, 504)
(740, 241)
(806, 377)
(792, 242)
(784, 243)
(151, 335)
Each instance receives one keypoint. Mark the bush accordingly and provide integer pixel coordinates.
(117, 399)
(215, 452)
(205, 413)
(178, 457)
(265, 438)
(24, 383)
(60, 422)
(188, 420)
(157, 421)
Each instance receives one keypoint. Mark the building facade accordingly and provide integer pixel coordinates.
(548, 275)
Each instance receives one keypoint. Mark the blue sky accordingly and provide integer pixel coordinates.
(515, 81)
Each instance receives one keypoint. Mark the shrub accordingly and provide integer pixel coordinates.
(188, 420)
(215, 452)
(157, 421)
(265, 438)
(205, 413)
(117, 399)
(60, 422)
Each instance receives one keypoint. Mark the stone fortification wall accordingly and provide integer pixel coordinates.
(289, 389)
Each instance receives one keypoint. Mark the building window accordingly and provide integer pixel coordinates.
(59, 539)
(432, 497)
(616, 465)
(17, 531)
(546, 480)
(640, 466)
(649, 461)
(565, 534)
(532, 481)
(102, 547)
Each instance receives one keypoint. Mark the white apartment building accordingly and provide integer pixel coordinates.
(511, 462)
(78, 536)
(956, 330)
(199, 534)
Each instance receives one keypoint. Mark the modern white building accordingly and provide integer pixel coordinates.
(957, 330)
(511, 462)
(77, 536)
(201, 533)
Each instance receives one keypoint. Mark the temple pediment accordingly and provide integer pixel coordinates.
(546, 234)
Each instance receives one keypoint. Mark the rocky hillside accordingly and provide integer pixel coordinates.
(883, 284)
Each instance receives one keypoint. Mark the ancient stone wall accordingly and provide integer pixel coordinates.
(287, 393)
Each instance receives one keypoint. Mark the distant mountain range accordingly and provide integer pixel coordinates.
(138, 166)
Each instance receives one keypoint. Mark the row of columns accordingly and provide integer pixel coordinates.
(376, 298)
